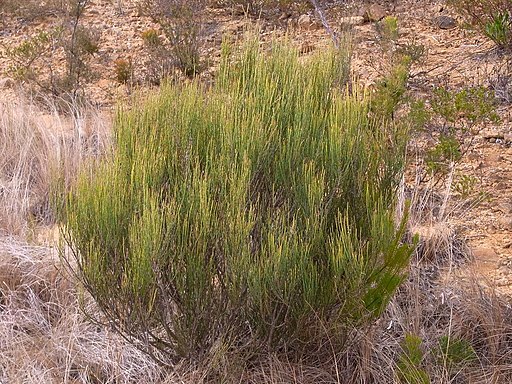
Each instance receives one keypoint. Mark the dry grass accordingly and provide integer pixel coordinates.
(38, 150)
(45, 338)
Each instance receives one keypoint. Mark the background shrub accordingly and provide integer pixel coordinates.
(36, 61)
(181, 22)
(492, 17)
(256, 214)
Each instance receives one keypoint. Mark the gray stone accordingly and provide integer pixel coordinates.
(506, 222)
(304, 21)
(444, 22)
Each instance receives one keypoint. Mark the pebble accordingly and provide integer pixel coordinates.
(304, 21)
(501, 186)
(506, 263)
(6, 83)
(506, 222)
(374, 12)
(444, 22)
(484, 253)
(495, 158)
(505, 208)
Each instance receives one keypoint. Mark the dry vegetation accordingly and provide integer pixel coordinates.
(441, 326)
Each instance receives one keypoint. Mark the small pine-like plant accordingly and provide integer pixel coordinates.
(499, 29)
(466, 185)
(388, 28)
(123, 70)
(390, 91)
(258, 211)
(454, 354)
(410, 362)
(151, 38)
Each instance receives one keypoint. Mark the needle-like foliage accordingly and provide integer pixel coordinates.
(258, 212)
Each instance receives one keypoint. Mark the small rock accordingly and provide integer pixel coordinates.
(507, 263)
(352, 20)
(494, 157)
(506, 208)
(374, 12)
(6, 83)
(444, 22)
(488, 135)
(304, 21)
(506, 222)
(484, 254)
(502, 185)
(507, 137)
(285, 16)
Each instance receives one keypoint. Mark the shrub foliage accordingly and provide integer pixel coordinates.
(257, 212)
(492, 17)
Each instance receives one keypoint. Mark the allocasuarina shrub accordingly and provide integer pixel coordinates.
(257, 212)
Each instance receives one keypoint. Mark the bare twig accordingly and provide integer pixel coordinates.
(329, 30)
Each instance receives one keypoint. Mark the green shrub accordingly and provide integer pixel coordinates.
(410, 362)
(491, 17)
(151, 38)
(123, 70)
(256, 212)
(499, 29)
(21, 57)
(455, 354)
(182, 24)
(390, 91)
(160, 63)
(388, 28)
(452, 121)
(36, 60)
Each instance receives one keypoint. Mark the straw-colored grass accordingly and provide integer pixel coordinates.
(45, 338)
(41, 150)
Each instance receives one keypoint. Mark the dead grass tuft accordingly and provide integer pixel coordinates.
(39, 148)
(45, 338)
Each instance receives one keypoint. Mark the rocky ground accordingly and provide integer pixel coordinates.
(455, 56)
